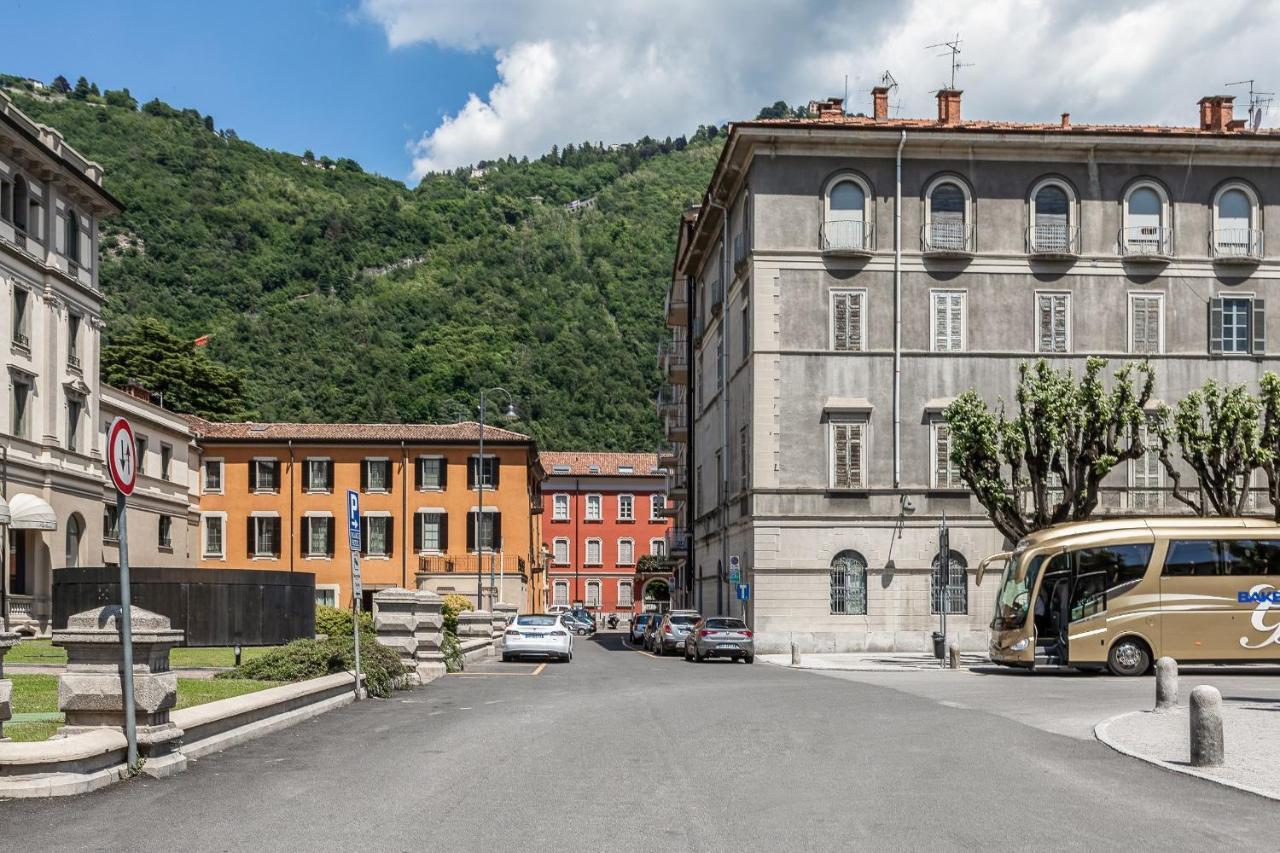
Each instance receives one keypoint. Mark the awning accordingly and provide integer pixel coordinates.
(4, 512)
(28, 512)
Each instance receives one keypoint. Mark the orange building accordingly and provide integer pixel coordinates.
(273, 496)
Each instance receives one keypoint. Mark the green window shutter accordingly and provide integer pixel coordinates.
(306, 474)
(364, 475)
(444, 473)
(388, 527)
(275, 530)
(444, 531)
(249, 547)
(328, 536)
(1215, 325)
(1259, 328)
(417, 531)
(304, 538)
(471, 531)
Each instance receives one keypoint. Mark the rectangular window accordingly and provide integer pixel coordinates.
(847, 455)
(947, 321)
(21, 333)
(593, 508)
(431, 531)
(657, 503)
(658, 547)
(484, 531)
(21, 404)
(377, 475)
(593, 593)
(326, 596)
(1053, 322)
(140, 445)
(560, 593)
(73, 341)
(213, 476)
(166, 532)
(166, 459)
(266, 475)
(377, 535)
(946, 475)
(265, 541)
(560, 552)
(317, 536)
(110, 524)
(846, 320)
(75, 409)
(431, 474)
(482, 473)
(560, 508)
(626, 552)
(1146, 476)
(744, 459)
(1146, 323)
(593, 552)
(746, 332)
(213, 536)
(625, 599)
(626, 508)
(1237, 325)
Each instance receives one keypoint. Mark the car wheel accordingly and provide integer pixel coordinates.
(750, 658)
(687, 654)
(506, 658)
(1129, 657)
(657, 649)
(697, 655)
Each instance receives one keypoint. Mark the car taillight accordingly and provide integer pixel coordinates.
(666, 630)
(704, 633)
(748, 633)
(559, 634)
(513, 633)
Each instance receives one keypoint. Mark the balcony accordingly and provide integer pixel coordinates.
(73, 361)
(668, 455)
(699, 327)
(464, 564)
(22, 341)
(947, 239)
(1053, 241)
(677, 304)
(717, 295)
(675, 424)
(677, 483)
(1236, 245)
(739, 252)
(1147, 243)
(673, 361)
(847, 238)
(677, 541)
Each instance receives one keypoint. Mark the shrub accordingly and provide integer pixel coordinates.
(452, 651)
(303, 659)
(337, 623)
(453, 605)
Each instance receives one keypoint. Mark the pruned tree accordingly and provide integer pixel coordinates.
(1269, 443)
(1044, 465)
(1218, 433)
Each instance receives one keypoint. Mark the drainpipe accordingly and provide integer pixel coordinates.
(292, 520)
(577, 542)
(404, 515)
(897, 316)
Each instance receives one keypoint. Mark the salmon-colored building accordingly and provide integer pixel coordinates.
(273, 496)
(602, 513)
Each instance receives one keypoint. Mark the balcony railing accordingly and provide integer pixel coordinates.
(20, 339)
(673, 360)
(1243, 245)
(1153, 242)
(1053, 240)
(73, 361)
(947, 237)
(675, 424)
(668, 454)
(677, 541)
(847, 237)
(677, 481)
(739, 251)
(717, 294)
(468, 563)
(677, 304)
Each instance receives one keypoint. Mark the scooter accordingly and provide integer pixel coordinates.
(612, 621)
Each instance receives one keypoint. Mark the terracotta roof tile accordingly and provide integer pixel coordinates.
(608, 464)
(867, 122)
(466, 431)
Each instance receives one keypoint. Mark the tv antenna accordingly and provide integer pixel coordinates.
(1259, 102)
(887, 81)
(952, 47)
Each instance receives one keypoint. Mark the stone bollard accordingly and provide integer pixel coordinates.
(395, 621)
(429, 634)
(475, 624)
(795, 653)
(953, 656)
(1166, 685)
(7, 641)
(1206, 727)
(91, 691)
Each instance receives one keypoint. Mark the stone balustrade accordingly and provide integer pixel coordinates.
(412, 623)
(7, 641)
(475, 624)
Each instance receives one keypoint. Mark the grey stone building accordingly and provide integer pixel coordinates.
(846, 277)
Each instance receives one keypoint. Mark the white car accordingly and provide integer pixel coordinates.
(538, 634)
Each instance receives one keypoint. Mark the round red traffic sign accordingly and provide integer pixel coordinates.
(122, 456)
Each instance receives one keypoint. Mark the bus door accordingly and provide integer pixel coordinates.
(1100, 606)
(1053, 601)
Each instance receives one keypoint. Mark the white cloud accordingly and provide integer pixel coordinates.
(614, 71)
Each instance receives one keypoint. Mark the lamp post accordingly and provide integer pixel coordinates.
(480, 484)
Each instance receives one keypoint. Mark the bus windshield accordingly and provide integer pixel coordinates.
(1015, 594)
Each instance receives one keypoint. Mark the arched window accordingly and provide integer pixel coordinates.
(593, 593)
(847, 226)
(849, 583)
(1236, 229)
(947, 218)
(75, 532)
(1052, 228)
(73, 235)
(1146, 228)
(21, 201)
(949, 585)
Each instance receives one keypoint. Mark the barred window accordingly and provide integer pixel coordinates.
(849, 584)
(949, 586)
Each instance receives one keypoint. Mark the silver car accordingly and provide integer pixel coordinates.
(720, 636)
(670, 634)
(638, 623)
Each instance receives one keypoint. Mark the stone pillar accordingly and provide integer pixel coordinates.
(1207, 748)
(395, 621)
(475, 624)
(7, 641)
(1166, 685)
(501, 613)
(91, 691)
(429, 635)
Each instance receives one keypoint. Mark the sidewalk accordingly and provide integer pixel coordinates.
(873, 661)
(1251, 736)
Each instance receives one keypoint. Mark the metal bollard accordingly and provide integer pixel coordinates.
(795, 654)
(953, 656)
(1166, 685)
(1206, 727)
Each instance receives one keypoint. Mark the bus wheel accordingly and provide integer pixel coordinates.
(1128, 657)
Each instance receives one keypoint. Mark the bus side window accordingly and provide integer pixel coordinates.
(1251, 558)
(1192, 558)
(1105, 572)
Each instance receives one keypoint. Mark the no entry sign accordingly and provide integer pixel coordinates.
(122, 456)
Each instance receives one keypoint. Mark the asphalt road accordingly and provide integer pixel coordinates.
(622, 751)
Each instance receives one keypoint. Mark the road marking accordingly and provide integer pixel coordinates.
(540, 668)
(536, 671)
(639, 651)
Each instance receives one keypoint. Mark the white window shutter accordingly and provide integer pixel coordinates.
(840, 308)
(956, 322)
(855, 322)
(1259, 328)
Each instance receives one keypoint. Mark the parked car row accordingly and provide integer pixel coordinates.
(698, 637)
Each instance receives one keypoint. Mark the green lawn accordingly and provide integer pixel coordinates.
(38, 694)
(43, 651)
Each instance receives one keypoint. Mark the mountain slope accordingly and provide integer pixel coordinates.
(347, 296)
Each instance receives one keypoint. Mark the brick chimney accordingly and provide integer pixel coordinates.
(1066, 120)
(1215, 112)
(880, 103)
(830, 108)
(949, 106)
(137, 390)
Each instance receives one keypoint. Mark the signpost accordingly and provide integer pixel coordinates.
(744, 592)
(122, 464)
(735, 569)
(353, 540)
(943, 584)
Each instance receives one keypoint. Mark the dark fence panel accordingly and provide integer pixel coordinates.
(216, 607)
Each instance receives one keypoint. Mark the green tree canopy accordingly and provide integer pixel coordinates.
(1219, 435)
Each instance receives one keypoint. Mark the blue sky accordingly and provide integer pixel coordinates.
(285, 75)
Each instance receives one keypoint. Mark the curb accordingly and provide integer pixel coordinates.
(1102, 732)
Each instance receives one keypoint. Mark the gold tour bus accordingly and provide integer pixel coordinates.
(1122, 592)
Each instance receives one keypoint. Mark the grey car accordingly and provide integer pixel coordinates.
(638, 623)
(650, 630)
(669, 635)
(720, 636)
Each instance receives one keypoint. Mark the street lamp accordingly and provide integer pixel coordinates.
(510, 413)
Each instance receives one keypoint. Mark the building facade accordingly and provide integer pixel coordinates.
(602, 513)
(435, 514)
(846, 277)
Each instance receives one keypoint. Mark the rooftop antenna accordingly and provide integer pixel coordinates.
(953, 48)
(1259, 102)
(887, 81)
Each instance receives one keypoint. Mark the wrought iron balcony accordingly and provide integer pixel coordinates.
(668, 454)
(673, 361)
(677, 304)
(677, 541)
(1236, 245)
(739, 251)
(717, 294)
(21, 340)
(1147, 243)
(851, 237)
(73, 361)
(947, 239)
(1053, 240)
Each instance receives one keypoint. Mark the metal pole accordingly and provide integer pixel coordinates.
(480, 513)
(355, 629)
(126, 635)
(944, 573)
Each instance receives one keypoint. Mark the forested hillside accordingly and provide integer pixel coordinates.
(340, 295)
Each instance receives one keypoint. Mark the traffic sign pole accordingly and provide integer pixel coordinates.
(353, 541)
(122, 465)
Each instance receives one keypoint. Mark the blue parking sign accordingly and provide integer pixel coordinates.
(353, 519)
(744, 592)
